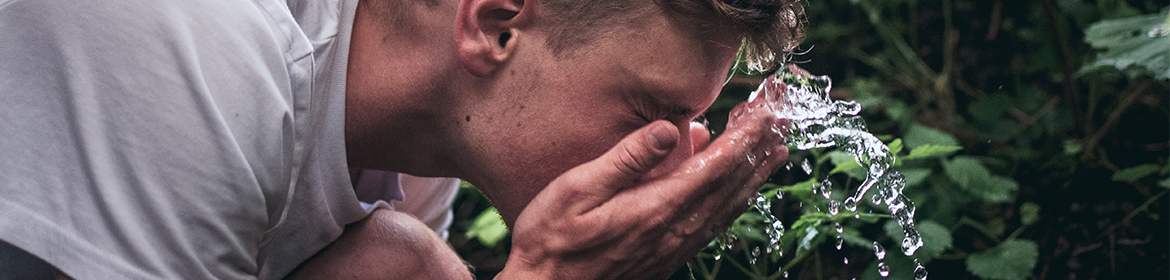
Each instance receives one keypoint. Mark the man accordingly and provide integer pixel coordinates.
(213, 139)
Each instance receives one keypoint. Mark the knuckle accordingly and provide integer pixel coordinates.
(629, 162)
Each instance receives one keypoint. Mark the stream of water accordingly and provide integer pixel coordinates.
(816, 121)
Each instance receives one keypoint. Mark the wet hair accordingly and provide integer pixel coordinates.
(770, 29)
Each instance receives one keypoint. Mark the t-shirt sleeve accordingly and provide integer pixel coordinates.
(142, 139)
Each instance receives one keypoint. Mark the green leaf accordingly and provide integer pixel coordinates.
(1012, 259)
(745, 226)
(1142, 41)
(1165, 183)
(801, 190)
(847, 166)
(999, 189)
(929, 150)
(846, 163)
(854, 238)
(488, 228)
(965, 171)
(919, 135)
(1071, 147)
(915, 176)
(936, 239)
(973, 177)
(1135, 173)
(895, 146)
(1029, 213)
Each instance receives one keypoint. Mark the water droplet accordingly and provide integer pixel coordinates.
(910, 244)
(920, 272)
(883, 269)
(827, 189)
(785, 275)
(1160, 30)
(846, 260)
(817, 121)
(755, 255)
(718, 256)
(848, 107)
(879, 251)
(850, 204)
(839, 242)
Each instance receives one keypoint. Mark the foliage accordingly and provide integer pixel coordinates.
(488, 228)
(1013, 259)
(1134, 41)
(993, 136)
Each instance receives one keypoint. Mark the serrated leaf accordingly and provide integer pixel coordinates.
(1135, 173)
(1010, 260)
(936, 239)
(919, 135)
(488, 228)
(745, 226)
(1133, 41)
(973, 177)
(965, 171)
(1029, 213)
(915, 176)
(929, 150)
(998, 189)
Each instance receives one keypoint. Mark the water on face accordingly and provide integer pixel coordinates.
(816, 121)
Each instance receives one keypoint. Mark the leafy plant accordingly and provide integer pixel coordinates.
(1034, 137)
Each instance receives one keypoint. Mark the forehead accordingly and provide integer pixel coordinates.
(662, 55)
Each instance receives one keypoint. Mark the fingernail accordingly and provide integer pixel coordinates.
(659, 136)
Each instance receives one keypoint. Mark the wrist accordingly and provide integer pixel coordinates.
(520, 268)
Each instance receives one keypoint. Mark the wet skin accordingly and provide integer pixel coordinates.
(589, 155)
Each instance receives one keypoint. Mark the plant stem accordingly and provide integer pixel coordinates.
(1114, 116)
(1135, 211)
(1070, 86)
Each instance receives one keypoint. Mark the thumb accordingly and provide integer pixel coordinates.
(636, 155)
(621, 166)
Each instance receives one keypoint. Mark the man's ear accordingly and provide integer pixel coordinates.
(486, 31)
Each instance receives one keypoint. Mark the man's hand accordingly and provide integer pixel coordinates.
(606, 220)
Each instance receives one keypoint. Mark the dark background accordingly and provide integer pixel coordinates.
(1011, 82)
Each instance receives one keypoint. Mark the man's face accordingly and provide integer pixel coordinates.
(549, 114)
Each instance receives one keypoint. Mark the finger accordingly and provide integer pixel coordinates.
(621, 166)
(700, 137)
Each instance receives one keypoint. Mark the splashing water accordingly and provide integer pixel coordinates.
(815, 121)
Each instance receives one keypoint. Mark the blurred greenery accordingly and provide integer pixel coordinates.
(1034, 137)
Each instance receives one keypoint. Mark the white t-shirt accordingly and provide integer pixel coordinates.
(174, 139)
